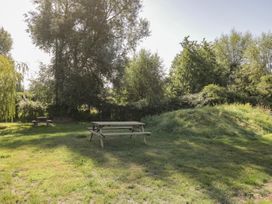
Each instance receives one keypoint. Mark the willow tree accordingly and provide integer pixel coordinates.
(89, 41)
(8, 78)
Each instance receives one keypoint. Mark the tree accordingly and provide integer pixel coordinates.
(5, 42)
(193, 68)
(229, 52)
(89, 40)
(144, 78)
(250, 71)
(28, 109)
(264, 88)
(8, 79)
(265, 51)
(255, 63)
(42, 87)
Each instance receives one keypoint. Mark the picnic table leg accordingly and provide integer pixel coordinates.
(91, 137)
(101, 137)
(92, 133)
(142, 128)
(145, 139)
(132, 130)
(101, 142)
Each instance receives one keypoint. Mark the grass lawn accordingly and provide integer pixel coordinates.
(208, 155)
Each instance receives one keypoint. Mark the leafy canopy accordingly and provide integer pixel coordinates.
(8, 78)
(193, 68)
(144, 78)
(89, 40)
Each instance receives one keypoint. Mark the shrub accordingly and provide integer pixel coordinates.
(212, 95)
(29, 110)
(264, 89)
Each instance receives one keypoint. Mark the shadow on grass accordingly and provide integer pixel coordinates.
(213, 148)
(25, 129)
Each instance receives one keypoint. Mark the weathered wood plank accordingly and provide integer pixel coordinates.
(117, 123)
(116, 127)
(126, 133)
(119, 133)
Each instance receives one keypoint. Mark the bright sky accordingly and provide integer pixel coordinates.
(170, 22)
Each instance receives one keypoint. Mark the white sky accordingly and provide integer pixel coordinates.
(12, 19)
(170, 20)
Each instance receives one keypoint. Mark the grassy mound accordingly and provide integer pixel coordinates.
(226, 121)
(225, 149)
(217, 154)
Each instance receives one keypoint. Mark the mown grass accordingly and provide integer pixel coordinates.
(208, 155)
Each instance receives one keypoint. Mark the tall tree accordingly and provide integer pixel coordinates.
(229, 51)
(265, 51)
(193, 68)
(255, 63)
(8, 79)
(89, 39)
(264, 89)
(144, 78)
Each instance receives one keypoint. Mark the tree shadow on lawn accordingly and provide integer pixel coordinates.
(27, 129)
(217, 159)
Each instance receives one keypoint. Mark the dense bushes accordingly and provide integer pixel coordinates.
(213, 94)
(27, 109)
(233, 69)
(264, 89)
(210, 95)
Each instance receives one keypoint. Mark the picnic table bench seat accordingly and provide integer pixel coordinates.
(112, 128)
(120, 128)
(120, 133)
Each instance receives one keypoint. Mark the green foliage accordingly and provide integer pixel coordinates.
(236, 62)
(192, 69)
(5, 42)
(229, 52)
(244, 60)
(8, 80)
(28, 109)
(265, 46)
(42, 87)
(264, 89)
(144, 78)
(89, 41)
(213, 94)
(250, 71)
(210, 95)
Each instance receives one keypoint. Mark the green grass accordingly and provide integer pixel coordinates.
(207, 155)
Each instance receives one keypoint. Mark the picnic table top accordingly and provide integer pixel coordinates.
(117, 123)
(42, 117)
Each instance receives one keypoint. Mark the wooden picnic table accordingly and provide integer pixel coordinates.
(108, 128)
(41, 119)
